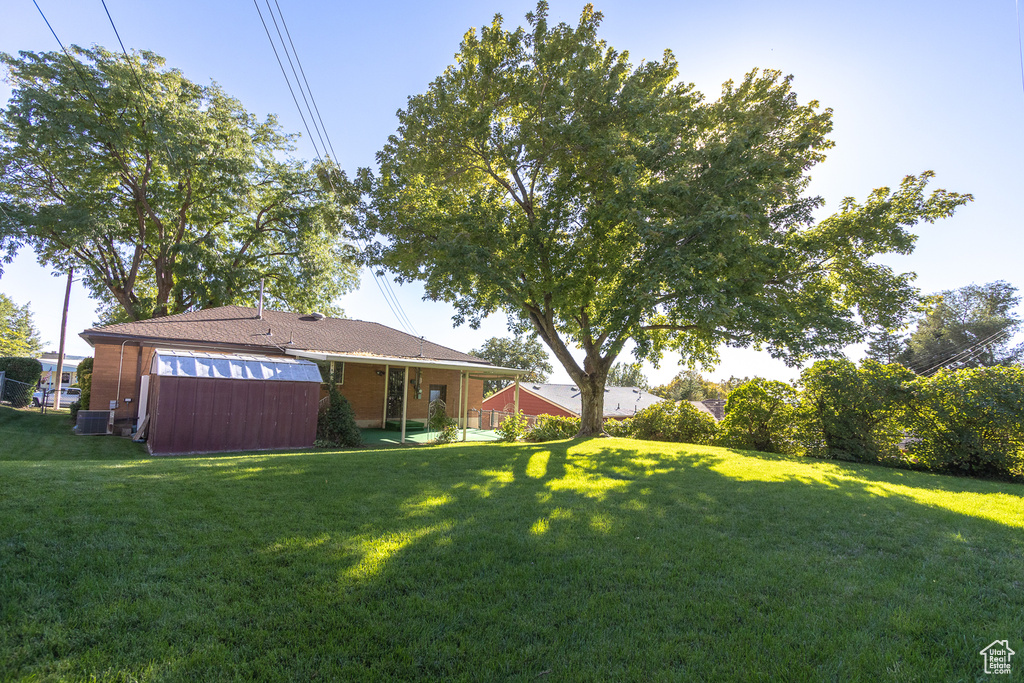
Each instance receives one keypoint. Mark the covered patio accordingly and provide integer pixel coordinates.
(393, 399)
(388, 437)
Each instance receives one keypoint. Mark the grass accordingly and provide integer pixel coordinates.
(604, 559)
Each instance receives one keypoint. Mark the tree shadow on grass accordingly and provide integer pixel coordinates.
(575, 560)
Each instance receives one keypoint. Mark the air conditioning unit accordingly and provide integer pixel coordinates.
(94, 422)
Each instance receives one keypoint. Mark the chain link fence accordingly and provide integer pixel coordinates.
(14, 393)
(491, 419)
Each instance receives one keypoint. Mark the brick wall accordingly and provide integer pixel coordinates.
(109, 363)
(364, 389)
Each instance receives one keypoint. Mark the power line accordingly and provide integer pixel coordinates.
(386, 290)
(286, 79)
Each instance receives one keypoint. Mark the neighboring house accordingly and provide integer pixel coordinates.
(385, 374)
(564, 400)
(68, 373)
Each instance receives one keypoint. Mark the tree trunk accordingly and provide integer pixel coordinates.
(592, 410)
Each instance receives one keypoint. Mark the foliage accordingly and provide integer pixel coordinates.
(553, 427)
(18, 335)
(597, 201)
(446, 426)
(668, 421)
(75, 407)
(165, 194)
(84, 375)
(967, 327)
(690, 385)
(969, 421)
(24, 370)
(761, 416)
(513, 427)
(524, 352)
(620, 428)
(337, 424)
(27, 370)
(885, 346)
(627, 375)
(855, 410)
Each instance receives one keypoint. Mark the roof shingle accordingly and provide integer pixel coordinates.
(239, 326)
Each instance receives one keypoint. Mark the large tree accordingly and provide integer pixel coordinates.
(598, 202)
(523, 352)
(167, 195)
(18, 335)
(966, 328)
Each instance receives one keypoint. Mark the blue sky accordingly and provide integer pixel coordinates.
(914, 86)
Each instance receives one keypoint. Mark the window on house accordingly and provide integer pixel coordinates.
(438, 391)
(331, 372)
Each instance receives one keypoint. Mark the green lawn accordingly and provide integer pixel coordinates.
(603, 560)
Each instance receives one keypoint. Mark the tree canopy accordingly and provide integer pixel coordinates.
(627, 375)
(523, 352)
(18, 334)
(597, 202)
(167, 195)
(968, 327)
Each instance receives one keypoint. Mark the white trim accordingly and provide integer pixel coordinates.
(483, 368)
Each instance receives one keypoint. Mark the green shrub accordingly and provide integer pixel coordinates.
(760, 416)
(621, 428)
(513, 427)
(24, 370)
(969, 421)
(337, 424)
(852, 413)
(84, 374)
(553, 427)
(75, 407)
(679, 422)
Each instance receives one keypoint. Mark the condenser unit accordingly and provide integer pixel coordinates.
(94, 422)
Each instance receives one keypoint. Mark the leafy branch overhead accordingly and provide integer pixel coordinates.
(597, 202)
(167, 195)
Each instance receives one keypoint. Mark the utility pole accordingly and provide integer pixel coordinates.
(63, 333)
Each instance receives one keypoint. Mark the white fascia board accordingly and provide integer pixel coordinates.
(476, 368)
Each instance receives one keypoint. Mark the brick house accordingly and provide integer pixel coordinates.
(386, 375)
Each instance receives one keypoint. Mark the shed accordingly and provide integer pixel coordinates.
(202, 402)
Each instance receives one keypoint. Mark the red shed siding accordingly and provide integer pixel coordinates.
(203, 415)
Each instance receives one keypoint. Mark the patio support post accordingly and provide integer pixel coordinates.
(465, 413)
(405, 399)
(384, 417)
(517, 395)
(458, 411)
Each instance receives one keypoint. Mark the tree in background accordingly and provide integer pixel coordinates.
(167, 195)
(18, 335)
(966, 328)
(690, 385)
(523, 352)
(885, 346)
(597, 202)
(627, 375)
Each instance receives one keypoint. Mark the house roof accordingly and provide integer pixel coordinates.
(239, 327)
(618, 401)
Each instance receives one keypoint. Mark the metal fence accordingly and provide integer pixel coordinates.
(14, 393)
(491, 419)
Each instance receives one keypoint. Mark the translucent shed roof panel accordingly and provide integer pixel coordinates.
(176, 363)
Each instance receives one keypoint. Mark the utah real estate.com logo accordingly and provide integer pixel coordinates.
(997, 657)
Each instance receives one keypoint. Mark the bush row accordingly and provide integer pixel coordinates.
(968, 421)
